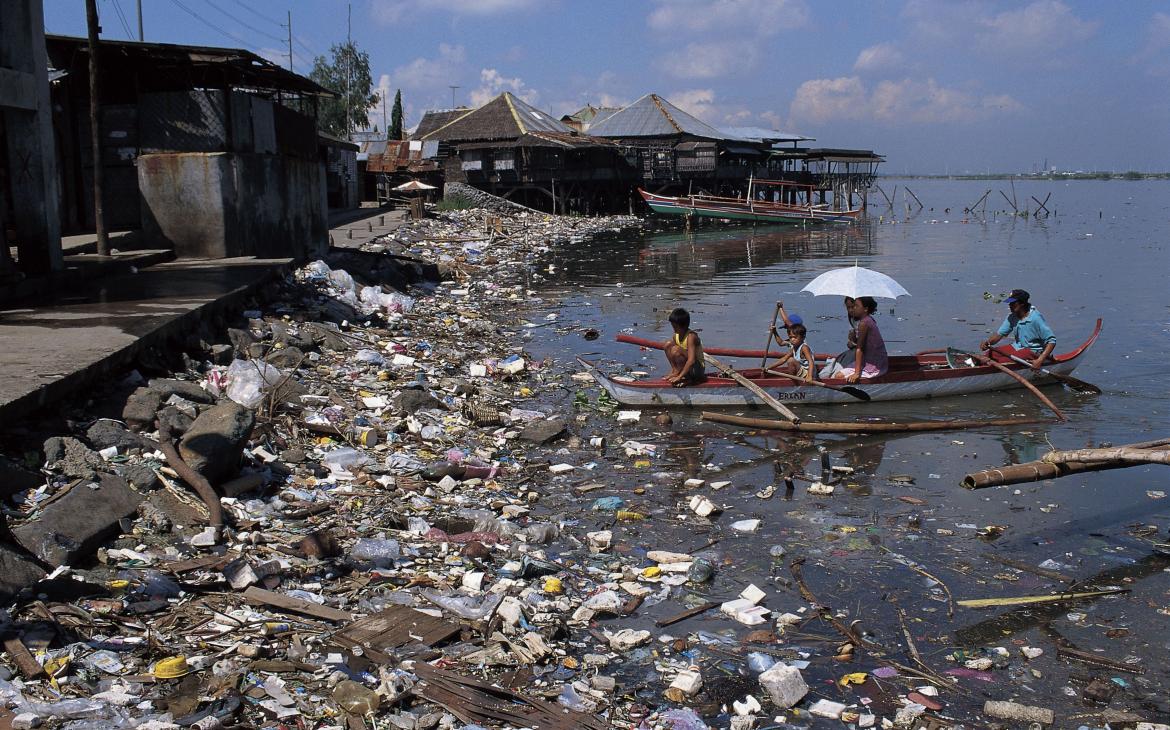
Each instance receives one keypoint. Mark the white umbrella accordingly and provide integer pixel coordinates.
(414, 185)
(855, 281)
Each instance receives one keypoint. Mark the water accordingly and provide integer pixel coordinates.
(1103, 254)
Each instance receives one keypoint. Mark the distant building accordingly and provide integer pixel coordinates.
(509, 148)
(213, 152)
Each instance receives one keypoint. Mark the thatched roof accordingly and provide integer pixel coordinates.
(432, 120)
(653, 116)
(504, 117)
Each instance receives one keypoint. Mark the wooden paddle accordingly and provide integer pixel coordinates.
(1075, 383)
(771, 332)
(1016, 376)
(857, 393)
(760, 392)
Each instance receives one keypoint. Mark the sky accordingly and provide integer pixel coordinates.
(937, 86)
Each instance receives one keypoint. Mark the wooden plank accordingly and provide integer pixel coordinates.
(683, 616)
(207, 561)
(394, 628)
(289, 604)
(29, 667)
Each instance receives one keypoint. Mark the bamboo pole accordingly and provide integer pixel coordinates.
(770, 424)
(1123, 454)
(1018, 378)
(1034, 471)
(762, 394)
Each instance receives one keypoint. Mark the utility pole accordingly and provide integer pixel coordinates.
(453, 88)
(348, 65)
(91, 21)
(290, 51)
(385, 127)
(141, 38)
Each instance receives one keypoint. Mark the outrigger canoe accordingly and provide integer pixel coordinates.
(924, 375)
(757, 211)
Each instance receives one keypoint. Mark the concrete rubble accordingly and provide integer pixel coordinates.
(412, 538)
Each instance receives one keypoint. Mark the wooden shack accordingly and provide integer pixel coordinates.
(509, 148)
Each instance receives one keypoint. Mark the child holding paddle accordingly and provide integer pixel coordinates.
(684, 352)
(799, 361)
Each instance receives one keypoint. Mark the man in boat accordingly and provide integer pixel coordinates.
(1034, 339)
(684, 351)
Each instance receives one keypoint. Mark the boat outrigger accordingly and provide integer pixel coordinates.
(924, 375)
(750, 208)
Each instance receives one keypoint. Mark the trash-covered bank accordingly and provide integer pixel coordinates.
(424, 526)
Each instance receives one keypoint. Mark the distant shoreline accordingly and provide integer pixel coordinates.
(1131, 175)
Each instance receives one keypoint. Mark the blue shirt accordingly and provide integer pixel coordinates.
(1031, 331)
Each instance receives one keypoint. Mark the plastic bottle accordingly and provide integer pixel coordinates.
(355, 698)
(700, 571)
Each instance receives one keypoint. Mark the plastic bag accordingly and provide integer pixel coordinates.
(468, 607)
(341, 279)
(248, 379)
(382, 553)
(344, 459)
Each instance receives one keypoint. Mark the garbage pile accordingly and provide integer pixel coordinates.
(370, 507)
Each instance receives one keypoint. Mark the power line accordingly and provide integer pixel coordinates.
(252, 28)
(122, 19)
(213, 26)
(256, 12)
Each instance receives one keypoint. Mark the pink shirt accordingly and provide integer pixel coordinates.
(873, 348)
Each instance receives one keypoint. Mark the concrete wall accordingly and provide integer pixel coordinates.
(216, 205)
(28, 124)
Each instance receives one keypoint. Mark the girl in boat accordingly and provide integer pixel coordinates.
(684, 352)
(870, 358)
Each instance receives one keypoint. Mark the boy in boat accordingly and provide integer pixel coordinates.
(684, 352)
(1034, 339)
(800, 361)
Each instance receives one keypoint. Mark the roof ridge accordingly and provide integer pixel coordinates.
(448, 124)
(515, 115)
(658, 103)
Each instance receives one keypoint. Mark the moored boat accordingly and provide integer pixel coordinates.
(747, 209)
(924, 375)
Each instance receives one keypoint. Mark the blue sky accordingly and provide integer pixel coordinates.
(935, 85)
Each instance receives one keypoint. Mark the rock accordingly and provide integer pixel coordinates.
(213, 444)
(222, 354)
(241, 341)
(166, 387)
(286, 357)
(139, 475)
(412, 401)
(174, 421)
(72, 458)
(292, 456)
(15, 478)
(784, 685)
(543, 430)
(104, 433)
(1017, 712)
(71, 528)
(663, 419)
(141, 407)
(17, 571)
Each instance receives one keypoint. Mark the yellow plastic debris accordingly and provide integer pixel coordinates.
(652, 572)
(171, 668)
(854, 678)
(553, 585)
(628, 516)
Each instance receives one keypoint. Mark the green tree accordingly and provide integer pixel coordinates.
(396, 117)
(348, 75)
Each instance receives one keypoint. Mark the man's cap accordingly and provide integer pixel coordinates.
(1017, 295)
(794, 319)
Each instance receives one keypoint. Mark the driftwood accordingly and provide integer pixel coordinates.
(197, 481)
(1034, 471)
(804, 427)
(824, 611)
(1124, 454)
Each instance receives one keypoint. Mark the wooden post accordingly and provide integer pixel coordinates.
(103, 239)
(1009, 202)
(916, 200)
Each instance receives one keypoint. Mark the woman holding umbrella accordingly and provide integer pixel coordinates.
(870, 357)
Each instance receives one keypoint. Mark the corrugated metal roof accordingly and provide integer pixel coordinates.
(760, 134)
(653, 116)
(504, 117)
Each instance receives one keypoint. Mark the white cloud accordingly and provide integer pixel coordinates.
(1154, 54)
(764, 17)
(1036, 29)
(881, 57)
(894, 102)
(822, 100)
(709, 60)
(696, 102)
(493, 83)
(390, 12)
(431, 75)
